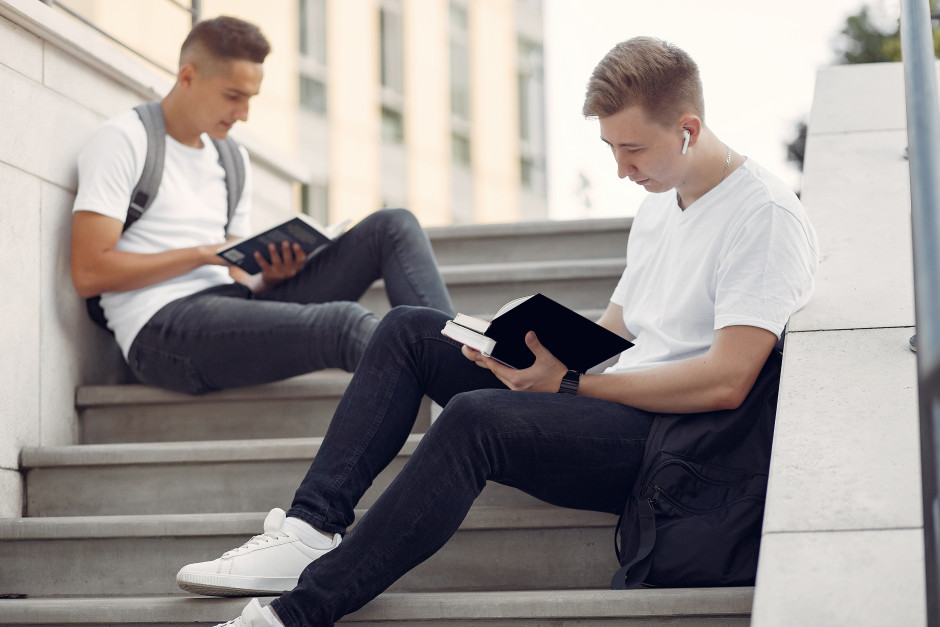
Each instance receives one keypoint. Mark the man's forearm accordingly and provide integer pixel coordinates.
(675, 388)
(719, 379)
(118, 271)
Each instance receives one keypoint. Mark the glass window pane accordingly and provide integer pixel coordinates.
(460, 148)
(393, 128)
(459, 80)
(312, 95)
(312, 25)
(391, 49)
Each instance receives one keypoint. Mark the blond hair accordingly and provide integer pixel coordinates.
(648, 72)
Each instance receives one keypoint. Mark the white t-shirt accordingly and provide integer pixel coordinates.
(190, 209)
(743, 254)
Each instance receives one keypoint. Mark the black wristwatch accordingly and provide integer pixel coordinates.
(569, 382)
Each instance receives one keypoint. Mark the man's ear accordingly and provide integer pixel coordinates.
(693, 125)
(187, 75)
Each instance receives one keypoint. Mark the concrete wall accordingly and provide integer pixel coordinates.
(843, 527)
(59, 83)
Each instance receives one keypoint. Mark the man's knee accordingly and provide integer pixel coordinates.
(392, 221)
(408, 320)
(398, 219)
(469, 413)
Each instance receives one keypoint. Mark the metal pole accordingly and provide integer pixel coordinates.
(923, 131)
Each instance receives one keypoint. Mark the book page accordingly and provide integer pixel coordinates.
(477, 324)
(511, 304)
(336, 230)
(469, 337)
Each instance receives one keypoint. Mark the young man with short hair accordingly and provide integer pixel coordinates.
(186, 321)
(721, 254)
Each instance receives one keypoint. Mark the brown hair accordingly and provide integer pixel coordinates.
(226, 38)
(649, 72)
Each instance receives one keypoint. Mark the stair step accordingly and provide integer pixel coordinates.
(189, 477)
(496, 548)
(530, 241)
(299, 407)
(689, 607)
(576, 283)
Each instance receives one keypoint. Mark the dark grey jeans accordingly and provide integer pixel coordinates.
(567, 450)
(227, 337)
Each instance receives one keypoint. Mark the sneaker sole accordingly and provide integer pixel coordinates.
(233, 586)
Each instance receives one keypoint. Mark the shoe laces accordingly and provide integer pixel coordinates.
(268, 537)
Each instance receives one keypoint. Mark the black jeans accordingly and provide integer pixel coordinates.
(567, 450)
(226, 336)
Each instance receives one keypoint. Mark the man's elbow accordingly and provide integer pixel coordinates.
(730, 396)
(86, 284)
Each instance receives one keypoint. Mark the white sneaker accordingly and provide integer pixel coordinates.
(266, 565)
(251, 616)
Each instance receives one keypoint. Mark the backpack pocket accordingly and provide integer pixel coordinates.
(708, 521)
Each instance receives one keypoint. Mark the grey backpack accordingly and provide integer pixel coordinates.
(145, 191)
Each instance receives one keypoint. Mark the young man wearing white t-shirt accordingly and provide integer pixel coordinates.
(721, 254)
(183, 319)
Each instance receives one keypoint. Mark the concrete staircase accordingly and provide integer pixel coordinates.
(163, 479)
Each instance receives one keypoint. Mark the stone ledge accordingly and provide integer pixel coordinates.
(539, 516)
(846, 445)
(514, 229)
(554, 605)
(842, 538)
(179, 452)
(851, 578)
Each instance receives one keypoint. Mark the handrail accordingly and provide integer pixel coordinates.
(194, 10)
(923, 136)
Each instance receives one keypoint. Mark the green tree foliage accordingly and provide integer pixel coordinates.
(863, 41)
(866, 42)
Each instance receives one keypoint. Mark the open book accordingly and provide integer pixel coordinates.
(576, 341)
(300, 229)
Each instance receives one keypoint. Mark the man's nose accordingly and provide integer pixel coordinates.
(625, 165)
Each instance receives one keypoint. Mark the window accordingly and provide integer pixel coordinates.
(392, 71)
(393, 128)
(531, 116)
(459, 82)
(312, 39)
(315, 199)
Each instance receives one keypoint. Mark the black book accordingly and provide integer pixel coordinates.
(575, 340)
(299, 229)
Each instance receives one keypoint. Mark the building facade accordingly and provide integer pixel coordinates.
(434, 105)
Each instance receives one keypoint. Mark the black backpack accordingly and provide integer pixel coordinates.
(151, 114)
(694, 516)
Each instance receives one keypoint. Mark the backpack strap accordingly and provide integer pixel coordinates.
(145, 191)
(230, 158)
(634, 572)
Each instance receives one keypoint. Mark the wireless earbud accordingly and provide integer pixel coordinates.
(685, 142)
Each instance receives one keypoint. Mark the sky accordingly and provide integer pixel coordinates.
(758, 60)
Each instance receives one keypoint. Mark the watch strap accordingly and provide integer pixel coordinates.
(569, 382)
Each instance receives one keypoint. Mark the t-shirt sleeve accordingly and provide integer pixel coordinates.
(108, 170)
(765, 272)
(619, 297)
(240, 226)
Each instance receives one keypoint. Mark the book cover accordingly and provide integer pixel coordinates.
(300, 229)
(576, 341)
